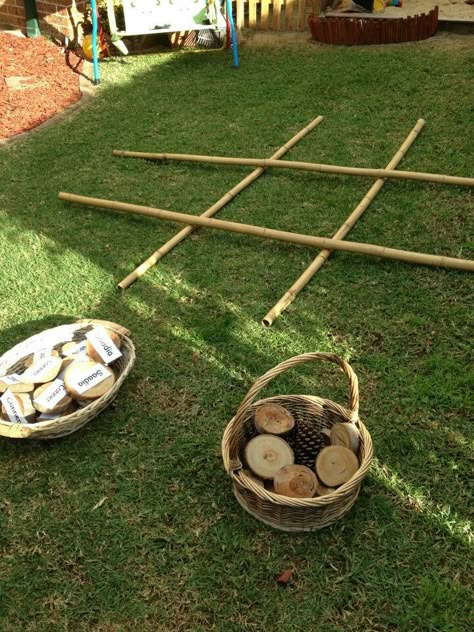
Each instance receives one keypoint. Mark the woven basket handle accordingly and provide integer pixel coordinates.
(281, 368)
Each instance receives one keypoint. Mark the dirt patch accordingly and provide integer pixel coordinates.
(37, 80)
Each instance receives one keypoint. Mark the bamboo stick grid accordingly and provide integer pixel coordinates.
(215, 208)
(358, 30)
(323, 256)
(327, 245)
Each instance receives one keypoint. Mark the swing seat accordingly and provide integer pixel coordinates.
(168, 16)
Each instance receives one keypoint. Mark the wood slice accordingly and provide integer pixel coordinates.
(273, 419)
(44, 370)
(322, 490)
(22, 387)
(68, 360)
(29, 361)
(69, 347)
(43, 407)
(326, 436)
(257, 481)
(347, 435)
(336, 465)
(296, 481)
(25, 405)
(266, 454)
(91, 351)
(79, 374)
(51, 417)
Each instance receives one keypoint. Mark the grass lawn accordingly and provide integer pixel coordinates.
(169, 548)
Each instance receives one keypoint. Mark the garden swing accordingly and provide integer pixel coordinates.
(149, 17)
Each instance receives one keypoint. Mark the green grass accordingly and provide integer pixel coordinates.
(169, 548)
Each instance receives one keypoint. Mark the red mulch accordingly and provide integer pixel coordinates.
(35, 82)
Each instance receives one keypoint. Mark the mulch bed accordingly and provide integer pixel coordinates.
(36, 82)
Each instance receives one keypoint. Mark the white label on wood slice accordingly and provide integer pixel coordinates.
(42, 354)
(14, 412)
(90, 378)
(12, 379)
(52, 395)
(79, 349)
(103, 344)
(38, 372)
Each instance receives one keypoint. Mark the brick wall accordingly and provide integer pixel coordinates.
(12, 12)
(57, 17)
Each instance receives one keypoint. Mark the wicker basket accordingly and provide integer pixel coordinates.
(312, 414)
(14, 359)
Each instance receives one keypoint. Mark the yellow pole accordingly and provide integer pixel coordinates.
(279, 235)
(305, 166)
(318, 263)
(215, 208)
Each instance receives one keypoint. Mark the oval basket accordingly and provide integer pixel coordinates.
(312, 414)
(13, 360)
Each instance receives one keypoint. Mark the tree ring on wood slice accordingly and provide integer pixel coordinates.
(296, 481)
(273, 419)
(21, 387)
(63, 404)
(29, 360)
(94, 354)
(78, 370)
(336, 465)
(347, 435)
(266, 454)
(25, 405)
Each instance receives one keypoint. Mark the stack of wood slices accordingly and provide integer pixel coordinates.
(56, 381)
(271, 459)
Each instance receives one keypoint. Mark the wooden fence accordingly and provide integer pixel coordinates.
(353, 31)
(276, 15)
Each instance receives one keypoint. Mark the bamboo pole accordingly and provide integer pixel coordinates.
(215, 208)
(322, 257)
(305, 166)
(279, 235)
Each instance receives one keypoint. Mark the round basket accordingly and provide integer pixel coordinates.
(13, 361)
(312, 415)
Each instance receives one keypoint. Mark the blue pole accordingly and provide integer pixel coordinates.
(95, 57)
(235, 52)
